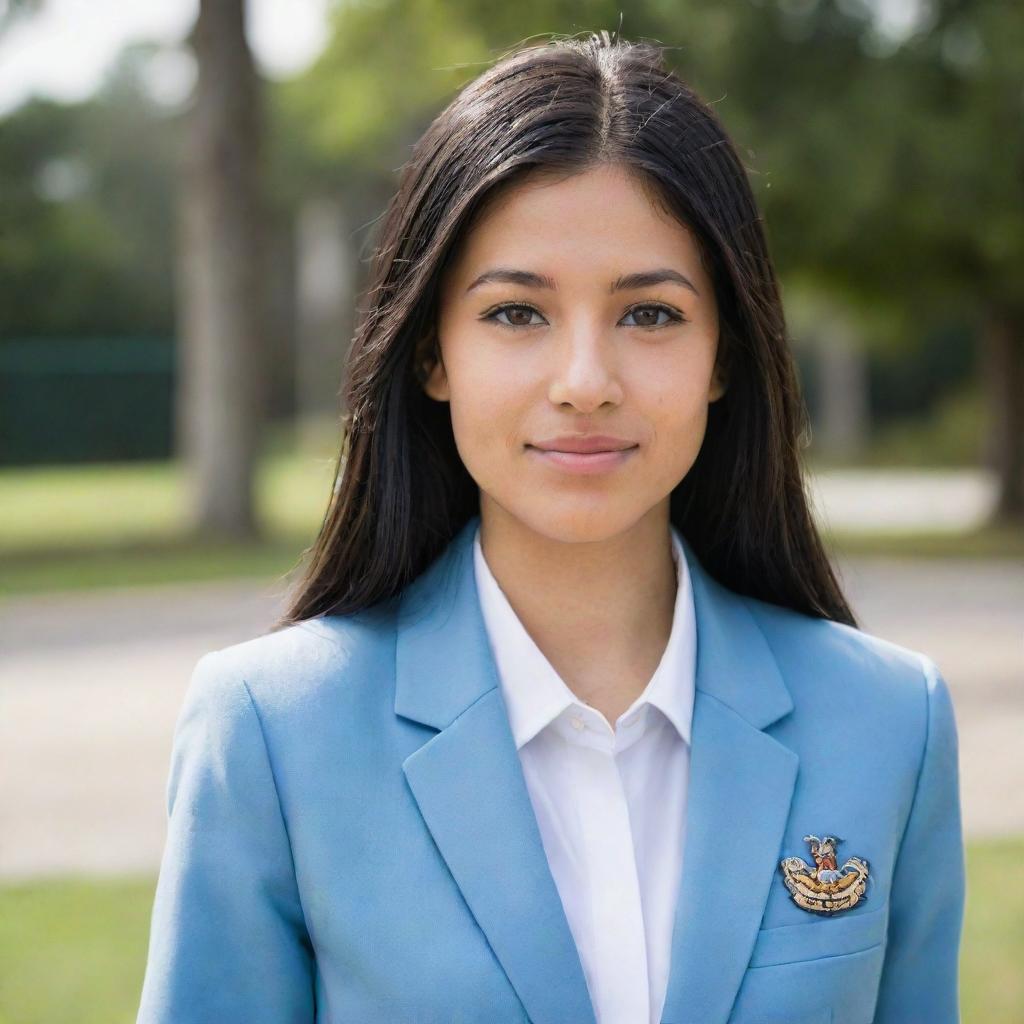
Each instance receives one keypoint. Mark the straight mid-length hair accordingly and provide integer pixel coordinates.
(401, 490)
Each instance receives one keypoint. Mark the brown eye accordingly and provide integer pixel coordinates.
(647, 316)
(518, 315)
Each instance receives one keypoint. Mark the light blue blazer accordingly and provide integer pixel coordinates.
(351, 840)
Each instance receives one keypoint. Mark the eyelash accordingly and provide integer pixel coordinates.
(674, 315)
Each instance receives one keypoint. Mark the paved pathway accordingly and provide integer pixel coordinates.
(903, 499)
(90, 686)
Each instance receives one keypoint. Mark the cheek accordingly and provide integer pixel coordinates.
(484, 404)
(678, 417)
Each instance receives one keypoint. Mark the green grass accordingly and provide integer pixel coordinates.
(76, 506)
(993, 945)
(144, 563)
(988, 542)
(67, 528)
(73, 951)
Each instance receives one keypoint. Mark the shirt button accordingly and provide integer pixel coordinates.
(577, 722)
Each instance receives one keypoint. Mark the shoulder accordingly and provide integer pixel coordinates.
(832, 665)
(304, 665)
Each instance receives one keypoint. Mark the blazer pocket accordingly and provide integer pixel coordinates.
(827, 936)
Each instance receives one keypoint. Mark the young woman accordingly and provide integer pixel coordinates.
(568, 721)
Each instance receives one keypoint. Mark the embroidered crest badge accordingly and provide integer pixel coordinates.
(825, 889)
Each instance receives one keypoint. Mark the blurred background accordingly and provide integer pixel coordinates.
(188, 197)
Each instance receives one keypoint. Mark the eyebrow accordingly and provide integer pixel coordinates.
(528, 279)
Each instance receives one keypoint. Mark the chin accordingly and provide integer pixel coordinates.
(573, 521)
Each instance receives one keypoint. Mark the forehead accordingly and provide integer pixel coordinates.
(604, 220)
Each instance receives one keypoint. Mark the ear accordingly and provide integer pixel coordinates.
(435, 383)
(718, 384)
(430, 370)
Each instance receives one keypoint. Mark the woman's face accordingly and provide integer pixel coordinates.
(544, 336)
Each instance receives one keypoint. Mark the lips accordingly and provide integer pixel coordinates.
(603, 460)
(585, 444)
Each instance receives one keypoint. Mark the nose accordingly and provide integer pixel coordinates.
(585, 373)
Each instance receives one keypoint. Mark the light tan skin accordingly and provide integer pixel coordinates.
(585, 561)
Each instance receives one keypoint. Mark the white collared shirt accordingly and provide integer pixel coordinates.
(611, 806)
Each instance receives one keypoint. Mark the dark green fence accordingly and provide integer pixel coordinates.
(86, 399)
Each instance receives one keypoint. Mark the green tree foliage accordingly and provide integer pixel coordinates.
(389, 67)
(86, 200)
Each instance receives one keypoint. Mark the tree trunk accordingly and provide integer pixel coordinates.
(1004, 364)
(221, 279)
(326, 271)
(844, 408)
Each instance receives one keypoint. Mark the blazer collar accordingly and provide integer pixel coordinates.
(468, 784)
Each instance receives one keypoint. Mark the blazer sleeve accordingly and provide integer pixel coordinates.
(920, 971)
(228, 941)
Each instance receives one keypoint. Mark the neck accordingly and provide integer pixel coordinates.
(599, 610)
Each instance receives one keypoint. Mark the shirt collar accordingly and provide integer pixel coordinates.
(533, 691)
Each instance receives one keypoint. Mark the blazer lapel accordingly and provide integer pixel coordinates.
(468, 783)
(740, 790)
